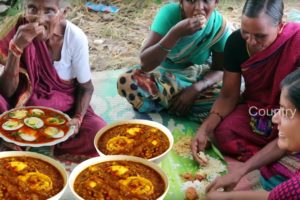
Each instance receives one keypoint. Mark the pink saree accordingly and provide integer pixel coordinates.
(40, 85)
(241, 135)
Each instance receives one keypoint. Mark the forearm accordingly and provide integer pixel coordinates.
(9, 80)
(209, 79)
(244, 195)
(223, 105)
(270, 153)
(84, 96)
(154, 55)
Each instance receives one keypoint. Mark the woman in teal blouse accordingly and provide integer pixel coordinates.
(180, 61)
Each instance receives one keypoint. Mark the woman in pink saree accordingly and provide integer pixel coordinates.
(45, 60)
(264, 51)
(287, 120)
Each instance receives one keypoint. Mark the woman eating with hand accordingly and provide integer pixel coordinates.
(263, 51)
(46, 63)
(288, 122)
(181, 61)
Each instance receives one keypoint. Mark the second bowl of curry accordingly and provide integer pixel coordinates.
(142, 138)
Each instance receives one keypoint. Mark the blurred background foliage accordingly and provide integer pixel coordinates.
(9, 8)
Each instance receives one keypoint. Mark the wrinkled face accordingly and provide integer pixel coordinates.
(288, 121)
(193, 8)
(259, 32)
(46, 13)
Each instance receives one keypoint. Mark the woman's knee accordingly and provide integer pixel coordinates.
(123, 84)
(128, 88)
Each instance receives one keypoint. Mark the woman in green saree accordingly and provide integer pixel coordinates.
(176, 71)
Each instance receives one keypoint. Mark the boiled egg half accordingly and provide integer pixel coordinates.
(12, 124)
(55, 121)
(18, 114)
(28, 134)
(34, 122)
(54, 132)
(37, 112)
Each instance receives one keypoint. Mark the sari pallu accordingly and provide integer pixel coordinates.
(153, 91)
(262, 73)
(280, 171)
(40, 85)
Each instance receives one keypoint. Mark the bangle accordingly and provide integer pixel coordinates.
(164, 48)
(15, 49)
(206, 84)
(218, 114)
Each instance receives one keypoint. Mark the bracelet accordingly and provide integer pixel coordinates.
(164, 48)
(218, 114)
(15, 49)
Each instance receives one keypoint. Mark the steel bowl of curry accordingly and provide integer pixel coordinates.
(31, 176)
(142, 138)
(118, 177)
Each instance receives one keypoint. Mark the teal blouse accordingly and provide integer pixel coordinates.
(191, 49)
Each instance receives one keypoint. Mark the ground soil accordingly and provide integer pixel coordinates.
(115, 39)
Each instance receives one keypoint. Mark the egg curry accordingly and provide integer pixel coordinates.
(32, 125)
(28, 178)
(119, 180)
(134, 139)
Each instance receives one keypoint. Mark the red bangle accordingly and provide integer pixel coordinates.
(15, 49)
(218, 114)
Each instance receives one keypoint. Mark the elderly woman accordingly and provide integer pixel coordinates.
(288, 121)
(183, 36)
(46, 63)
(264, 51)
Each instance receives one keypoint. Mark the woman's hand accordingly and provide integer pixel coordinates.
(182, 102)
(237, 195)
(216, 196)
(76, 123)
(189, 26)
(26, 33)
(227, 182)
(198, 144)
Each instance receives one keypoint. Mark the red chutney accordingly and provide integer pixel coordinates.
(28, 178)
(119, 180)
(49, 118)
(134, 139)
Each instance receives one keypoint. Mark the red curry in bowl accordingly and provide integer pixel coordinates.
(29, 178)
(133, 139)
(119, 179)
(34, 126)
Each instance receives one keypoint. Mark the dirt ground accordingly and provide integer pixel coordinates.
(115, 39)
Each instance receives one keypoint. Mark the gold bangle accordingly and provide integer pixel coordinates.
(218, 114)
(164, 48)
